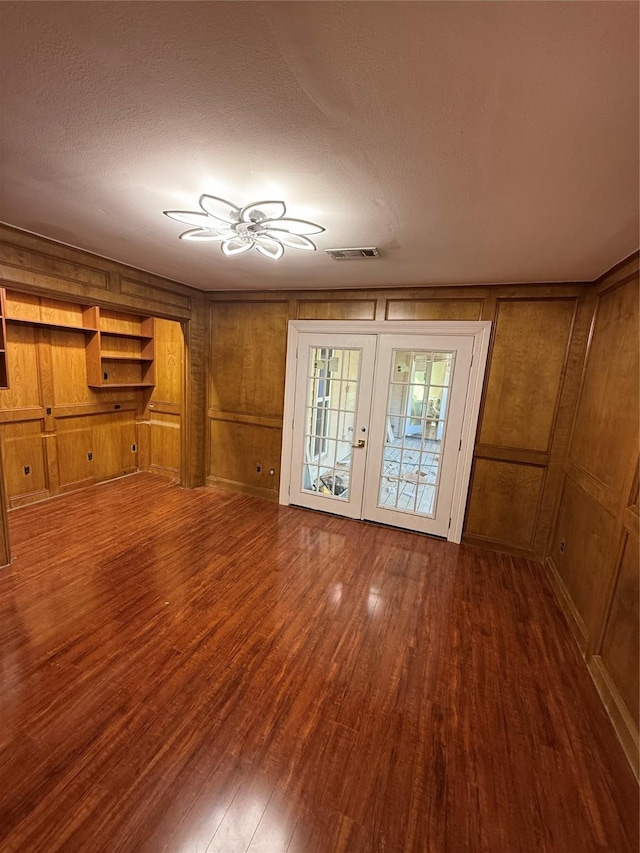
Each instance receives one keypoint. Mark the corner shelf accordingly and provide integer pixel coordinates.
(121, 353)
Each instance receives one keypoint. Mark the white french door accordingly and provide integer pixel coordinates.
(382, 424)
(334, 381)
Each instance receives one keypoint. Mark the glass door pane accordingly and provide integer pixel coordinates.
(331, 403)
(416, 422)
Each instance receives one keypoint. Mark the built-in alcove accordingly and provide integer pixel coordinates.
(87, 393)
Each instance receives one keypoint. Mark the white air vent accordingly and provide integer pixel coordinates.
(353, 254)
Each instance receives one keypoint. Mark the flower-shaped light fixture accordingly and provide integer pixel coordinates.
(261, 225)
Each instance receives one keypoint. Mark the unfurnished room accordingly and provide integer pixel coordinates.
(319, 426)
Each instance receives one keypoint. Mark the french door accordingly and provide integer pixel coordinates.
(378, 423)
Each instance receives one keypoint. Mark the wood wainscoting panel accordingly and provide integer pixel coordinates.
(106, 438)
(528, 355)
(22, 366)
(583, 563)
(620, 644)
(504, 501)
(169, 357)
(164, 451)
(340, 309)
(434, 309)
(25, 468)
(605, 435)
(114, 444)
(237, 450)
(248, 346)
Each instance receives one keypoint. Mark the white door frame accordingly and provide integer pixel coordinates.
(480, 330)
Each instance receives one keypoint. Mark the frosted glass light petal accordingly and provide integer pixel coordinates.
(270, 248)
(203, 235)
(294, 226)
(260, 210)
(294, 241)
(219, 208)
(235, 246)
(189, 217)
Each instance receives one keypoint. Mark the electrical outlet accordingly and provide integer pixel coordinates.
(90, 456)
(27, 469)
(562, 544)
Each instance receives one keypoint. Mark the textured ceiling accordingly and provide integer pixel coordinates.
(471, 142)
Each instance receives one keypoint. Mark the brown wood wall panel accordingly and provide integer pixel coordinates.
(169, 357)
(530, 344)
(608, 406)
(237, 449)
(621, 639)
(504, 501)
(22, 448)
(248, 345)
(521, 411)
(21, 264)
(434, 309)
(352, 309)
(165, 443)
(107, 437)
(22, 363)
(586, 529)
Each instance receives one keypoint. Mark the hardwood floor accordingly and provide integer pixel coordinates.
(203, 671)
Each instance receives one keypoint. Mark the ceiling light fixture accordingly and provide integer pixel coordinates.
(261, 225)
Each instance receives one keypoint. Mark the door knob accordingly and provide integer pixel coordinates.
(359, 444)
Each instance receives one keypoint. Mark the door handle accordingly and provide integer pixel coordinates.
(359, 444)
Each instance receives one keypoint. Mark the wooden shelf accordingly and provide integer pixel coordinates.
(105, 386)
(135, 335)
(52, 313)
(52, 325)
(119, 347)
(121, 353)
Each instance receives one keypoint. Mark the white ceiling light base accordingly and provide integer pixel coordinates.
(261, 225)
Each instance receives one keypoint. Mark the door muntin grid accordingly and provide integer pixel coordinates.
(333, 386)
(416, 422)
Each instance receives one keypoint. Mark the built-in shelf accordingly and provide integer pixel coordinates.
(121, 353)
(120, 348)
(52, 313)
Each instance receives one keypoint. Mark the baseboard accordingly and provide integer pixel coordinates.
(574, 620)
(619, 715)
(502, 547)
(243, 488)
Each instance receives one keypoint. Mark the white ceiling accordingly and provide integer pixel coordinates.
(471, 142)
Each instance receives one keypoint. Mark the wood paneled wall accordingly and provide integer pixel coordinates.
(48, 372)
(593, 547)
(163, 416)
(59, 434)
(535, 355)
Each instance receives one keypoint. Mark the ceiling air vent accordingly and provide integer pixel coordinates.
(353, 254)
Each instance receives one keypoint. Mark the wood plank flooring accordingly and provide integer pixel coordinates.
(203, 671)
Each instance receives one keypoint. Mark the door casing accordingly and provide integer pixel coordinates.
(479, 330)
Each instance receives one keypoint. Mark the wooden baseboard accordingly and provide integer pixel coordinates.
(619, 715)
(168, 473)
(243, 488)
(501, 547)
(31, 498)
(575, 621)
